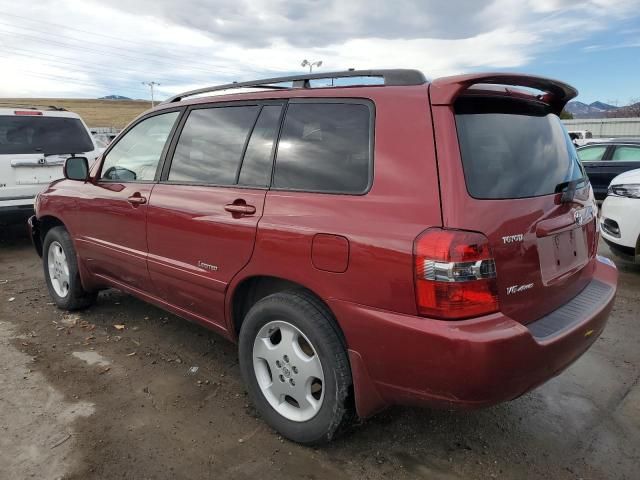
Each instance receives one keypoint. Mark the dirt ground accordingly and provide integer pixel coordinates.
(95, 113)
(82, 399)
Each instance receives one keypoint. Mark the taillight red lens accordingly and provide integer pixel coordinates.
(455, 275)
(27, 112)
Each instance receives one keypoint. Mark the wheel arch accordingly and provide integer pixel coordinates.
(248, 291)
(47, 222)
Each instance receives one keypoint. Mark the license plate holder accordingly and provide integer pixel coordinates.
(37, 175)
(562, 253)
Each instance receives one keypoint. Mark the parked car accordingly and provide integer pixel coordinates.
(408, 243)
(34, 143)
(620, 218)
(580, 137)
(603, 160)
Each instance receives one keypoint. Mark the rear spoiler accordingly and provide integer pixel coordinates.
(556, 94)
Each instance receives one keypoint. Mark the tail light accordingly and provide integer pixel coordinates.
(455, 274)
(27, 112)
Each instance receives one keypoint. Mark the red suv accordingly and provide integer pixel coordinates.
(387, 240)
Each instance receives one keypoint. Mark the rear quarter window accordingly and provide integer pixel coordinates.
(626, 153)
(325, 147)
(512, 149)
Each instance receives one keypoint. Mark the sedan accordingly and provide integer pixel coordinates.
(604, 160)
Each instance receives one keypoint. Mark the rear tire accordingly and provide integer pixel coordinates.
(61, 271)
(295, 367)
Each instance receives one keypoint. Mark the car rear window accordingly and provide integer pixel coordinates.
(513, 149)
(325, 147)
(43, 134)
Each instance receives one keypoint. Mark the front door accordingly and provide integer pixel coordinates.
(204, 213)
(111, 234)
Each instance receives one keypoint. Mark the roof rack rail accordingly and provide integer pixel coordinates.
(391, 77)
(33, 107)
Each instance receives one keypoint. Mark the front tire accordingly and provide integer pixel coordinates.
(61, 271)
(295, 367)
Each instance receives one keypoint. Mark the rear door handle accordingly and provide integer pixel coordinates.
(137, 199)
(240, 209)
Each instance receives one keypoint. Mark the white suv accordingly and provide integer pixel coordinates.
(620, 220)
(34, 143)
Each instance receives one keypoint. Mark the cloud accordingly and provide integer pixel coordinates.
(89, 48)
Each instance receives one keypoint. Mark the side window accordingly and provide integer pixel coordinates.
(626, 154)
(211, 144)
(592, 154)
(324, 147)
(136, 155)
(256, 165)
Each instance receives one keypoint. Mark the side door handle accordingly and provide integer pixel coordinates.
(239, 208)
(136, 199)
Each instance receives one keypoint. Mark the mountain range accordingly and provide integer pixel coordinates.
(114, 97)
(591, 110)
(602, 110)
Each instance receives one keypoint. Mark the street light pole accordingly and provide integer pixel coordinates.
(151, 85)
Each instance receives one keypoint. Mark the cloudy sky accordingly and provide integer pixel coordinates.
(87, 48)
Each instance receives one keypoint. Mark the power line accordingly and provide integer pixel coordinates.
(115, 50)
(152, 60)
(85, 67)
(111, 37)
(70, 81)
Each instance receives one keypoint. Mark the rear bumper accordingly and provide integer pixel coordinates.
(403, 359)
(15, 213)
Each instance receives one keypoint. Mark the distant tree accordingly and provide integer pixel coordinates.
(564, 115)
(631, 110)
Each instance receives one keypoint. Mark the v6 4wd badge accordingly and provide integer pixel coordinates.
(518, 288)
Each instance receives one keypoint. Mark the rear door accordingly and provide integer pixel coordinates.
(595, 159)
(33, 148)
(513, 156)
(624, 157)
(203, 215)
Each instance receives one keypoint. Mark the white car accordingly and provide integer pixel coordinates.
(34, 144)
(620, 218)
(580, 137)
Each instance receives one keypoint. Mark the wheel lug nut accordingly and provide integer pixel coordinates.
(295, 369)
(282, 378)
(286, 359)
(292, 382)
(278, 364)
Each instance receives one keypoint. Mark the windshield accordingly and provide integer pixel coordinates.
(513, 150)
(40, 134)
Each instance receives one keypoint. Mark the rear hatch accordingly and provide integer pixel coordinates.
(515, 177)
(33, 148)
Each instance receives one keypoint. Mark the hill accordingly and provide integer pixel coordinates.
(114, 97)
(592, 110)
(629, 111)
(95, 112)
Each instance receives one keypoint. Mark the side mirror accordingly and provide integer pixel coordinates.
(76, 168)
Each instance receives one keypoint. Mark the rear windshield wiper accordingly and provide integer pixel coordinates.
(568, 189)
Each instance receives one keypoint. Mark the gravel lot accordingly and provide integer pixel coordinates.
(82, 399)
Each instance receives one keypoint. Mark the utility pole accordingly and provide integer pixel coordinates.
(151, 85)
(307, 63)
